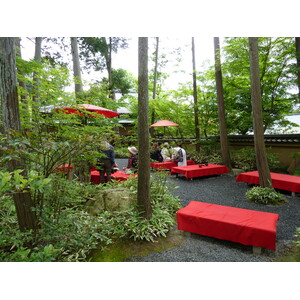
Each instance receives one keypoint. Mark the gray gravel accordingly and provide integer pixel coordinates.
(224, 190)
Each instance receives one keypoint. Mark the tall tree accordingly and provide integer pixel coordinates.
(108, 58)
(196, 112)
(277, 77)
(260, 149)
(19, 54)
(11, 122)
(297, 43)
(37, 58)
(221, 109)
(154, 85)
(76, 67)
(143, 130)
(97, 52)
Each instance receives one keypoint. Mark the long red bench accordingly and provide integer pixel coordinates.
(167, 165)
(117, 176)
(280, 181)
(193, 171)
(244, 226)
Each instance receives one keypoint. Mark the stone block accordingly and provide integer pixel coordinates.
(111, 200)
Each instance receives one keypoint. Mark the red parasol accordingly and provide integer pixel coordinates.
(164, 123)
(79, 108)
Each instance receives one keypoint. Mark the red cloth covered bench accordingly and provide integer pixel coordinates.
(168, 165)
(117, 176)
(244, 226)
(280, 181)
(193, 171)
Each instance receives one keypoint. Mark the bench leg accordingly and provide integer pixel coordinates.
(256, 250)
(293, 194)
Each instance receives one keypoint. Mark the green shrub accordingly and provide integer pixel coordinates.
(68, 238)
(213, 157)
(297, 172)
(121, 152)
(68, 233)
(130, 224)
(264, 196)
(245, 159)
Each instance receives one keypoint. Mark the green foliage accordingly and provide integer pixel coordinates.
(297, 172)
(16, 182)
(123, 81)
(245, 159)
(68, 233)
(98, 94)
(65, 234)
(208, 153)
(121, 152)
(131, 224)
(95, 50)
(22, 254)
(264, 196)
(277, 74)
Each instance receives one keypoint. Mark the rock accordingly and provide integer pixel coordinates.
(111, 200)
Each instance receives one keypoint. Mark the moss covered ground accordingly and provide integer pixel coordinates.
(122, 250)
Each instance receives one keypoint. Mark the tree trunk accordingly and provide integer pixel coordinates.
(152, 130)
(297, 42)
(260, 149)
(8, 86)
(19, 53)
(221, 109)
(11, 121)
(37, 57)
(197, 131)
(108, 58)
(143, 131)
(76, 67)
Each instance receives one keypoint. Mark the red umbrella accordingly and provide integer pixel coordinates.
(79, 108)
(164, 123)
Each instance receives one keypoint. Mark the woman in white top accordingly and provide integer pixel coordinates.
(180, 156)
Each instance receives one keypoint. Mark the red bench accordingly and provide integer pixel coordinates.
(117, 176)
(244, 226)
(167, 165)
(193, 171)
(280, 181)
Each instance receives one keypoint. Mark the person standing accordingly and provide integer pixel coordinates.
(180, 156)
(106, 162)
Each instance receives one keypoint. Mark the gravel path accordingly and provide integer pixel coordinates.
(224, 190)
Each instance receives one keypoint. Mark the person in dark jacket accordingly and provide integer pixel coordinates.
(106, 162)
(156, 154)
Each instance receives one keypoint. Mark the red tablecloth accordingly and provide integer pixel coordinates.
(244, 226)
(121, 176)
(64, 168)
(280, 181)
(168, 165)
(195, 170)
(118, 176)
